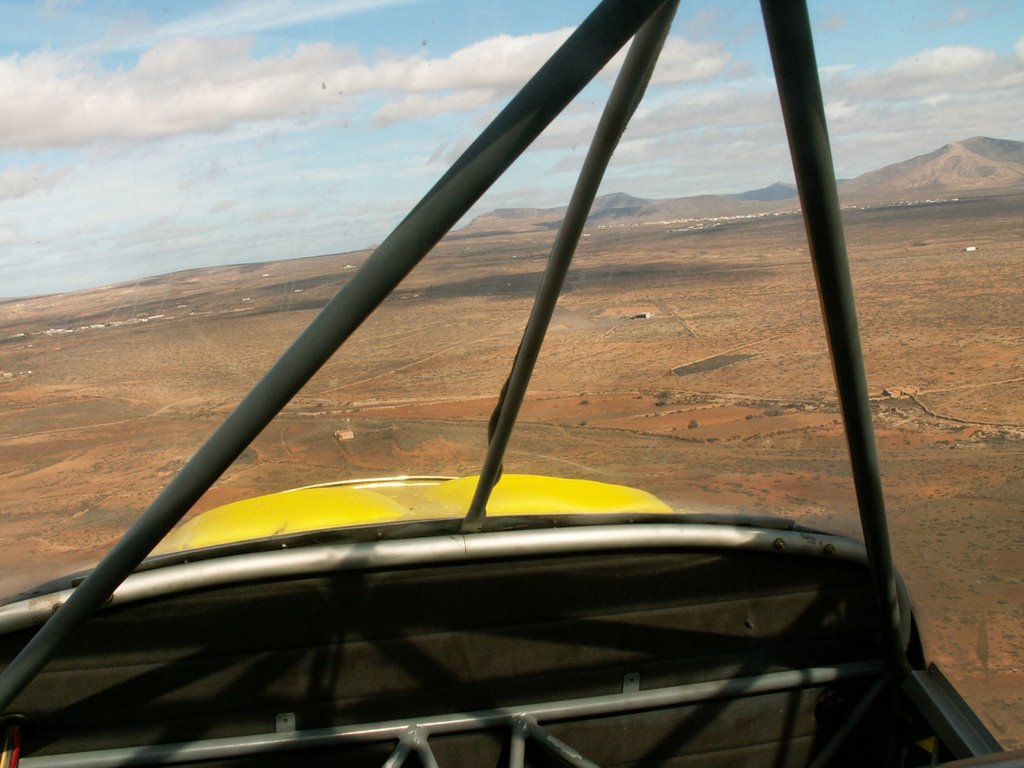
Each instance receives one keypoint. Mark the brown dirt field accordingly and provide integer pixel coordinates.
(97, 418)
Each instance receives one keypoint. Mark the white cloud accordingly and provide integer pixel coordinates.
(272, 214)
(725, 108)
(239, 18)
(209, 85)
(875, 117)
(503, 62)
(839, 110)
(23, 181)
(11, 233)
(953, 69)
(936, 99)
(834, 69)
(683, 61)
(945, 61)
(233, 19)
(213, 171)
(680, 61)
(201, 84)
(833, 23)
(419, 105)
(922, 102)
(50, 100)
(959, 16)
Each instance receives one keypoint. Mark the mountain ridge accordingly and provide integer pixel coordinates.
(977, 163)
(974, 165)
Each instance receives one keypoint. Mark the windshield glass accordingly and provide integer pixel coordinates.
(183, 188)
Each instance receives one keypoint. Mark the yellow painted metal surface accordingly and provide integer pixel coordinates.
(402, 499)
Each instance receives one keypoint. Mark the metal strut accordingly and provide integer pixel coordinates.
(622, 103)
(796, 73)
(523, 724)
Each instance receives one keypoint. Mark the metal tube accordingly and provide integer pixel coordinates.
(559, 748)
(625, 96)
(517, 743)
(398, 755)
(565, 74)
(789, 36)
(459, 722)
(306, 561)
(951, 719)
(824, 757)
(416, 739)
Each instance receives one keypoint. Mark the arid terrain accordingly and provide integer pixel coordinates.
(687, 360)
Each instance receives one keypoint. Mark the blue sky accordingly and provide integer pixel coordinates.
(140, 138)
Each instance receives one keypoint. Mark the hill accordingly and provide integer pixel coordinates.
(776, 191)
(972, 166)
(623, 209)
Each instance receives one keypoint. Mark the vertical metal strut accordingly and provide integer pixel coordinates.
(622, 103)
(547, 93)
(789, 37)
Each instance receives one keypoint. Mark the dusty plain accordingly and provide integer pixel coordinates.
(722, 399)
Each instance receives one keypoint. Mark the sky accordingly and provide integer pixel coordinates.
(145, 138)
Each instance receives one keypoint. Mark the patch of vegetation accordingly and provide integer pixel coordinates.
(710, 364)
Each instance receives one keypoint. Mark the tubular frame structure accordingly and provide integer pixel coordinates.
(521, 724)
(569, 70)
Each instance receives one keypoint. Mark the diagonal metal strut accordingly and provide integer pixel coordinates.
(788, 27)
(622, 103)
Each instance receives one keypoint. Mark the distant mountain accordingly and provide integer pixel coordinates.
(617, 200)
(620, 208)
(970, 165)
(776, 191)
(973, 165)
